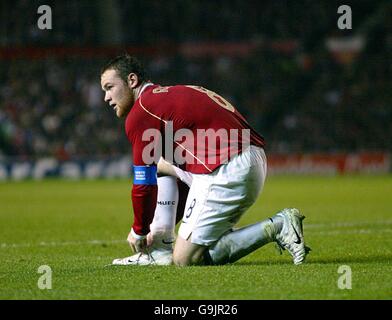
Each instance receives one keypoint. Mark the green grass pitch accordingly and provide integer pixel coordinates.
(78, 227)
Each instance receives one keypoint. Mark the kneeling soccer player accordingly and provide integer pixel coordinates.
(225, 178)
(214, 205)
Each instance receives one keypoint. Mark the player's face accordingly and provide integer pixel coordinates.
(117, 93)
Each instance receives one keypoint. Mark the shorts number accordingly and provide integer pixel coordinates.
(190, 209)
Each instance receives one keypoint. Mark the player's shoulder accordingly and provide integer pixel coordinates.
(158, 99)
(159, 92)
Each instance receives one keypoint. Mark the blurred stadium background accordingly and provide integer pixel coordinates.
(321, 96)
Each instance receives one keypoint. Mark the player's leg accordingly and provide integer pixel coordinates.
(238, 243)
(285, 228)
(219, 205)
(215, 203)
(191, 244)
(212, 209)
(183, 191)
(231, 247)
(187, 253)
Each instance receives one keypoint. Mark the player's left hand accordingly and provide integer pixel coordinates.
(137, 242)
(150, 239)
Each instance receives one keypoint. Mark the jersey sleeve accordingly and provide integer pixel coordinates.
(143, 132)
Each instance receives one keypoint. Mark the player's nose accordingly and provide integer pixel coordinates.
(107, 97)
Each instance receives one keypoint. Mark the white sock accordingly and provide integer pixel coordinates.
(239, 243)
(163, 224)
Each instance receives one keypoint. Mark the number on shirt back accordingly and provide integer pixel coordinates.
(211, 94)
(215, 97)
(161, 89)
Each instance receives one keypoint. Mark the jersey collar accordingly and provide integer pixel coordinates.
(143, 88)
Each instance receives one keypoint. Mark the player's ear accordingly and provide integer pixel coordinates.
(133, 80)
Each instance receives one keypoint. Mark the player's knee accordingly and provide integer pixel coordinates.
(187, 253)
(182, 260)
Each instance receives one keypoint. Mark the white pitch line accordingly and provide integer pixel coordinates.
(308, 228)
(58, 244)
(347, 224)
(350, 231)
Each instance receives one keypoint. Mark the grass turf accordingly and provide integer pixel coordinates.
(77, 227)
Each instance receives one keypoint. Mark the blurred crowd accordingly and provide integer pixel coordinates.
(302, 99)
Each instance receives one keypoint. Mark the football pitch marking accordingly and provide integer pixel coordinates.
(314, 229)
(347, 224)
(60, 244)
(351, 231)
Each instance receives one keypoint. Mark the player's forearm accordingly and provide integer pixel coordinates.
(144, 198)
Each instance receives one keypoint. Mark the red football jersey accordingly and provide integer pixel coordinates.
(188, 125)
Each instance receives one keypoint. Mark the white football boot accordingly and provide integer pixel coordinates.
(153, 257)
(160, 254)
(291, 236)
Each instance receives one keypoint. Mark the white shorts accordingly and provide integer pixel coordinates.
(216, 201)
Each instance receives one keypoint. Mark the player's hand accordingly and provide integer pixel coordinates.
(137, 242)
(150, 239)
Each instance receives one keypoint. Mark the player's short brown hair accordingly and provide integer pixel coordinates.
(124, 65)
